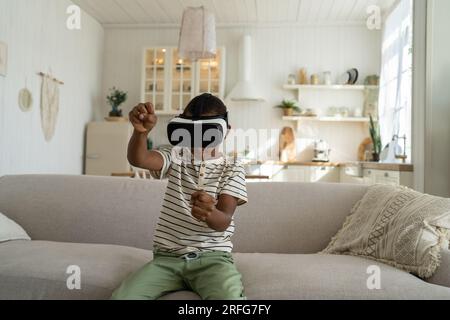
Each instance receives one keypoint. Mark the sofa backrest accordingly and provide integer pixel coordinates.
(279, 218)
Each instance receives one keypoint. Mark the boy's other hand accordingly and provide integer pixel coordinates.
(143, 117)
(203, 205)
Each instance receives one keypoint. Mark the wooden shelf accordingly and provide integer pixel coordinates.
(168, 113)
(327, 87)
(327, 119)
(161, 67)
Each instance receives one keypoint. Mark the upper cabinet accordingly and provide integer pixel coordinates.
(154, 82)
(170, 82)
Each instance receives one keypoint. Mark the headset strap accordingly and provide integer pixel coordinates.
(199, 118)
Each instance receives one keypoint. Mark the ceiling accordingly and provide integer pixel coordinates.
(232, 12)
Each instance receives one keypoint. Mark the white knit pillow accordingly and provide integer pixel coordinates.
(396, 226)
(9, 230)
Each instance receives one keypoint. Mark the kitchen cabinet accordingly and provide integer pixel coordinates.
(395, 178)
(170, 82)
(106, 148)
(292, 174)
(269, 170)
(324, 174)
(374, 176)
(299, 173)
(351, 174)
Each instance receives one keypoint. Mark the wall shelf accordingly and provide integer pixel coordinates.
(299, 120)
(327, 87)
(327, 119)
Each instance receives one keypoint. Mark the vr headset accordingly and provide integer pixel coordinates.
(197, 132)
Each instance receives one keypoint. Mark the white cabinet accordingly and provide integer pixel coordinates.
(170, 82)
(292, 174)
(324, 174)
(394, 178)
(106, 148)
(300, 173)
(329, 174)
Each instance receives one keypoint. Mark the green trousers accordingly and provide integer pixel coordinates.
(212, 275)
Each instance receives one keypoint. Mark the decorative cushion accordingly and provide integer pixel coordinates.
(9, 230)
(396, 226)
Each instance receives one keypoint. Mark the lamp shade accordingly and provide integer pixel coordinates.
(197, 35)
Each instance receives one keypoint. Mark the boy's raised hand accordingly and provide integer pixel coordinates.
(143, 117)
(203, 205)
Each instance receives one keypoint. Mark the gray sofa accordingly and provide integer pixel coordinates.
(105, 226)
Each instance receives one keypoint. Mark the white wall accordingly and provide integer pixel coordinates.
(277, 52)
(36, 33)
(437, 146)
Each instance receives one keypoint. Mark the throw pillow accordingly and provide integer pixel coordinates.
(396, 226)
(9, 230)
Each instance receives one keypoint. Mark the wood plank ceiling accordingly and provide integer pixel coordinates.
(232, 12)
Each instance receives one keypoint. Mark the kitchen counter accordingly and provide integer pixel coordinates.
(401, 167)
(298, 163)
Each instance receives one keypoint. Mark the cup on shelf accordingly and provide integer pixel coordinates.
(344, 112)
(332, 112)
(358, 112)
(327, 78)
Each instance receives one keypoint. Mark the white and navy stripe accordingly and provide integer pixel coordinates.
(177, 230)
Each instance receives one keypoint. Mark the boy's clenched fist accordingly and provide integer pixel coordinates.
(143, 117)
(203, 205)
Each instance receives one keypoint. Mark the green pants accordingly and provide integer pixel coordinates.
(212, 275)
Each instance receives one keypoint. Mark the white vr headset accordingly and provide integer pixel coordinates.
(199, 132)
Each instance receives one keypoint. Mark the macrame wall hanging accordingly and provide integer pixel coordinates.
(49, 105)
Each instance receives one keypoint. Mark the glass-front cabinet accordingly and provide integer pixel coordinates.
(182, 83)
(170, 82)
(154, 79)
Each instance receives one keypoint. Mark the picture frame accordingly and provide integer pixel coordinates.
(3, 58)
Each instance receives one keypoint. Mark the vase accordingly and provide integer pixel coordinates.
(375, 157)
(115, 115)
(288, 112)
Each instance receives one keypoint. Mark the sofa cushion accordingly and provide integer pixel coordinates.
(397, 226)
(292, 276)
(37, 270)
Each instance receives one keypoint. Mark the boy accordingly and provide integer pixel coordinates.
(192, 241)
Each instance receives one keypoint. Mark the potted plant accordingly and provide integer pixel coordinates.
(115, 99)
(288, 107)
(376, 139)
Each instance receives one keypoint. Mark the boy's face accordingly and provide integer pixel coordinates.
(208, 152)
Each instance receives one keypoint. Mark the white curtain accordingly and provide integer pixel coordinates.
(396, 76)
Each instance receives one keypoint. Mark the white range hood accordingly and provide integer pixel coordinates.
(245, 90)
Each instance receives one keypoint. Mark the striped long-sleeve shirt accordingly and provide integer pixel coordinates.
(177, 230)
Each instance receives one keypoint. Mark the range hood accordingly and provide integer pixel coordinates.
(245, 90)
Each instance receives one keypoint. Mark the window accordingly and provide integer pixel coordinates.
(396, 79)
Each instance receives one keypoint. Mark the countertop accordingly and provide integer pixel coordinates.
(365, 165)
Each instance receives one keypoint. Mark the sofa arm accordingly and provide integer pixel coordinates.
(442, 275)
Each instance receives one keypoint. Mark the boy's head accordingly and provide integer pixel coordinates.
(205, 105)
(203, 124)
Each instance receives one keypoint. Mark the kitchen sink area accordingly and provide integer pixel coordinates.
(367, 173)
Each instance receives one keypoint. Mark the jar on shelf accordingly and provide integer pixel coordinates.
(291, 79)
(315, 79)
(303, 76)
